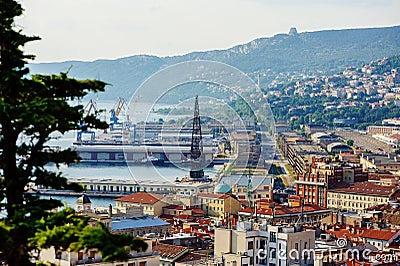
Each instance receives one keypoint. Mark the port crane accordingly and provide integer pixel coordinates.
(90, 106)
(115, 112)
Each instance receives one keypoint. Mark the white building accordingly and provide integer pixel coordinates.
(279, 245)
(93, 257)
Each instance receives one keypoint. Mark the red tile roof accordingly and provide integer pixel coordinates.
(367, 188)
(198, 211)
(343, 233)
(184, 217)
(142, 198)
(191, 257)
(379, 234)
(169, 251)
(378, 176)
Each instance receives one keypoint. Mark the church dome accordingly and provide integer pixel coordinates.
(222, 188)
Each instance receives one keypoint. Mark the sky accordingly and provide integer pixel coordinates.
(87, 30)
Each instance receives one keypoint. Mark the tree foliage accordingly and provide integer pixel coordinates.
(31, 109)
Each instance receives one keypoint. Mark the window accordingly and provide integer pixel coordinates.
(272, 236)
(250, 246)
(142, 263)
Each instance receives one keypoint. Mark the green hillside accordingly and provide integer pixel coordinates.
(323, 51)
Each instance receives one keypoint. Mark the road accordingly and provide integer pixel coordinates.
(272, 155)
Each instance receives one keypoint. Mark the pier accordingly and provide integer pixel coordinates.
(107, 187)
(136, 154)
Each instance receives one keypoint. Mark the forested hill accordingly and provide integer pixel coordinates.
(328, 51)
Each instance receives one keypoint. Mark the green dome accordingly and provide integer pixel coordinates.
(222, 188)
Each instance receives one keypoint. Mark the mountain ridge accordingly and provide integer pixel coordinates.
(323, 51)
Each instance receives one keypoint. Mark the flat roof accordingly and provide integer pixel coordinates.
(135, 223)
(137, 182)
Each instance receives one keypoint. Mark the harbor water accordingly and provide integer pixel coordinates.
(131, 172)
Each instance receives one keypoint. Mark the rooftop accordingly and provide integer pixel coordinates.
(83, 199)
(379, 234)
(191, 257)
(380, 159)
(169, 251)
(141, 197)
(134, 223)
(366, 188)
(282, 210)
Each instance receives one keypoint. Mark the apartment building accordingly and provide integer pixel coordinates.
(299, 151)
(381, 162)
(152, 203)
(324, 174)
(94, 257)
(293, 213)
(218, 205)
(359, 196)
(271, 246)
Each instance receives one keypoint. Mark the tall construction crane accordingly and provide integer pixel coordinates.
(115, 112)
(90, 106)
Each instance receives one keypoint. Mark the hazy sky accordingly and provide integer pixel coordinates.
(108, 29)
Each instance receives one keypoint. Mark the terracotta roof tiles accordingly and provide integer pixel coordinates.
(142, 198)
(169, 251)
(367, 188)
(379, 234)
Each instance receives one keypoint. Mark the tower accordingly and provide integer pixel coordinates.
(196, 148)
(83, 203)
